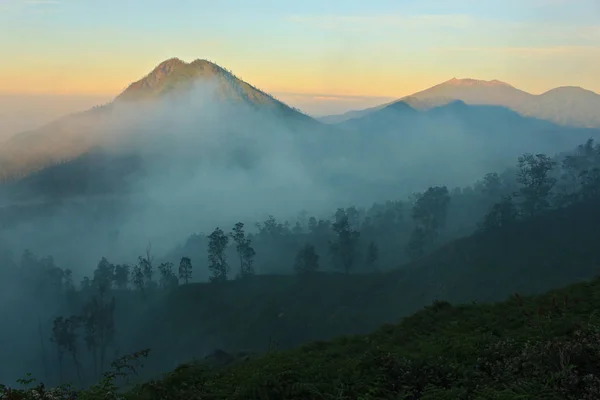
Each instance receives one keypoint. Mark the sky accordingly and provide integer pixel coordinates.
(321, 56)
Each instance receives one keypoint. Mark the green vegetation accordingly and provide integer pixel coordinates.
(539, 233)
(543, 347)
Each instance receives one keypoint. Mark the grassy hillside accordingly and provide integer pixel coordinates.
(544, 347)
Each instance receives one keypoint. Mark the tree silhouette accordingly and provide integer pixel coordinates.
(502, 214)
(345, 246)
(307, 260)
(137, 278)
(372, 255)
(536, 182)
(217, 244)
(121, 276)
(167, 277)
(185, 269)
(245, 251)
(98, 319)
(103, 276)
(145, 263)
(429, 214)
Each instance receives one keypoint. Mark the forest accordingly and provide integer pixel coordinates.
(263, 287)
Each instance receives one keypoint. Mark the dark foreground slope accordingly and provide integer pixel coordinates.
(544, 347)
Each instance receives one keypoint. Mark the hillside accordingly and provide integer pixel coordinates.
(529, 258)
(170, 84)
(283, 311)
(543, 347)
(537, 348)
(569, 106)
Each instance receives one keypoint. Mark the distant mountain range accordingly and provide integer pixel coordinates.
(198, 115)
(567, 106)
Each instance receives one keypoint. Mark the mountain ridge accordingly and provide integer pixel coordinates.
(565, 105)
(173, 75)
(74, 135)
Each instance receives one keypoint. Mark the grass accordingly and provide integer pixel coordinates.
(543, 347)
(540, 347)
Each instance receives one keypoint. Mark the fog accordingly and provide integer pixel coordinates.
(203, 162)
(158, 172)
(23, 112)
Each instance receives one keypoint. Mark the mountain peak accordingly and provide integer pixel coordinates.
(475, 82)
(168, 75)
(166, 67)
(570, 90)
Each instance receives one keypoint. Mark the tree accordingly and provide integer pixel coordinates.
(431, 209)
(138, 279)
(372, 255)
(492, 186)
(146, 266)
(575, 169)
(85, 283)
(534, 176)
(167, 277)
(502, 214)
(345, 246)
(98, 318)
(307, 260)
(243, 246)
(418, 243)
(429, 214)
(217, 259)
(185, 269)
(585, 158)
(121, 277)
(590, 184)
(103, 276)
(64, 336)
(70, 290)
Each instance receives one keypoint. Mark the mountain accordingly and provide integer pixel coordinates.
(416, 103)
(473, 91)
(569, 106)
(174, 76)
(186, 87)
(463, 129)
(572, 106)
